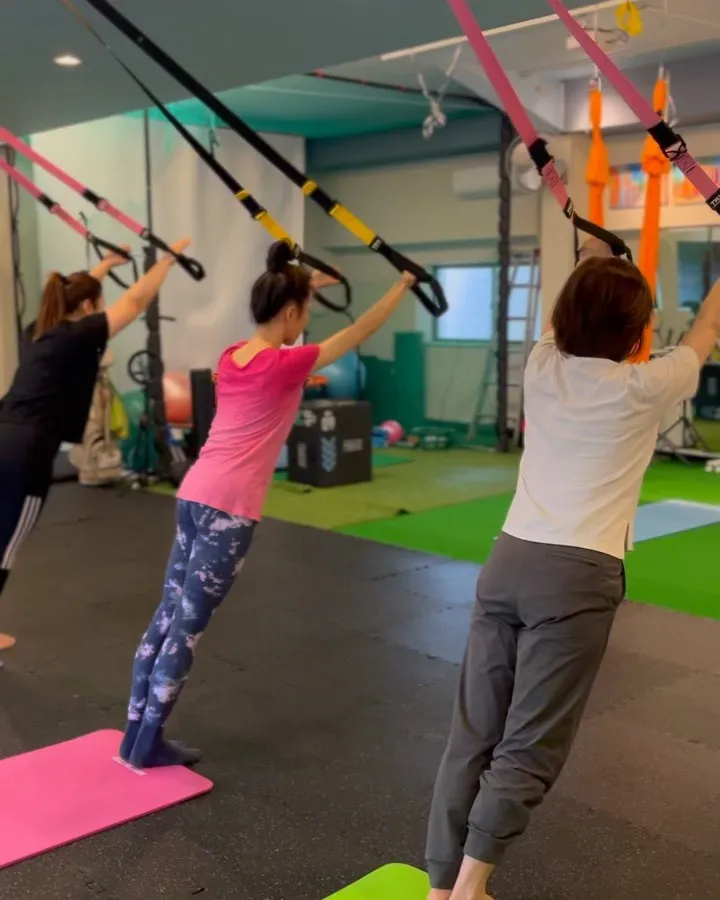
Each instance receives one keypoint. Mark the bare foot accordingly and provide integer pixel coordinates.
(472, 897)
(472, 880)
(6, 641)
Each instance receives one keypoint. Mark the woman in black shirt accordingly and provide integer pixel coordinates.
(49, 399)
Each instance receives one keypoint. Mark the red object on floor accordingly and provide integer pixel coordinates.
(69, 791)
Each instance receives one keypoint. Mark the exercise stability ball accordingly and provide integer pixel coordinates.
(393, 430)
(345, 377)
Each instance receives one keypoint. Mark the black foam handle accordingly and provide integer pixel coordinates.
(435, 302)
(100, 243)
(616, 243)
(332, 272)
(113, 248)
(194, 269)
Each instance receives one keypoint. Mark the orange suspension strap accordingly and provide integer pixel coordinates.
(597, 173)
(656, 167)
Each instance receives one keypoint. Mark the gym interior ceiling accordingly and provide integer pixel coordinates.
(225, 44)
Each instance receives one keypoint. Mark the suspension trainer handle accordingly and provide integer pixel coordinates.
(547, 168)
(99, 244)
(194, 269)
(614, 241)
(314, 263)
(434, 302)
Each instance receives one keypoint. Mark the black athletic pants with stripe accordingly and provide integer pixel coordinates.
(26, 465)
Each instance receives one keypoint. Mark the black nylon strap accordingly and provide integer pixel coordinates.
(184, 78)
(665, 137)
(255, 209)
(541, 156)
(99, 244)
(190, 265)
(433, 304)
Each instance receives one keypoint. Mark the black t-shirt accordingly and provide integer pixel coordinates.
(53, 386)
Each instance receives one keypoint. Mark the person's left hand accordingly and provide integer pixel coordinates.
(115, 259)
(593, 246)
(320, 280)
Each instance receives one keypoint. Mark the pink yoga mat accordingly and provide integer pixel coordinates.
(66, 792)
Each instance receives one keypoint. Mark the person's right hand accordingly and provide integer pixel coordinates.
(180, 246)
(408, 280)
(114, 259)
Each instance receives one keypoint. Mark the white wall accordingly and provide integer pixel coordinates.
(108, 157)
(187, 200)
(414, 208)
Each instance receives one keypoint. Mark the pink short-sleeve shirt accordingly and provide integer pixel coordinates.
(256, 407)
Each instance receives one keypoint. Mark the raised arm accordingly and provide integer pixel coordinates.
(368, 323)
(108, 262)
(705, 331)
(136, 300)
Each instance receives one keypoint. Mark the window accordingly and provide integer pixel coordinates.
(471, 293)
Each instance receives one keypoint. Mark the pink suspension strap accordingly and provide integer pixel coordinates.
(191, 266)
(537, 147)
(55, 209)
(669, 141)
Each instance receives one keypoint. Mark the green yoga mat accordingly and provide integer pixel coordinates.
(391, 882)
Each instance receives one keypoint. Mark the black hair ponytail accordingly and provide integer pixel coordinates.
(279, 256)
(284, 282)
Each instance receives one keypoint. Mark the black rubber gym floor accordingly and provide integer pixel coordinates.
(321, 698)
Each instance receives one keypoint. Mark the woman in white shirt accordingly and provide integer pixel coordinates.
(547, 596)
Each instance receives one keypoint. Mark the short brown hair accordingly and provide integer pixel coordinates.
(602, 310)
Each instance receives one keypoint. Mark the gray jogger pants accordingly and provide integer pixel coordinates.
(541, 623)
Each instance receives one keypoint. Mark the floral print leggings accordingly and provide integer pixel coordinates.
(209, 551)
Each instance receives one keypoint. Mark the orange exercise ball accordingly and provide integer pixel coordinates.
(178, 398)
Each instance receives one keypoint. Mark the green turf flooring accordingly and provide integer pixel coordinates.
(434, 479)
(675, 571)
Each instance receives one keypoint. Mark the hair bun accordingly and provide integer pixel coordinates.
(279, 256)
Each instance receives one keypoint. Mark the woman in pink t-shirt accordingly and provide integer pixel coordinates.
(259, 391)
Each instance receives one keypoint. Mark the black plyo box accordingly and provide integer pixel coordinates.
(330, 443)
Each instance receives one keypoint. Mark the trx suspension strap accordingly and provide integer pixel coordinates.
(191, 266)
(56, 210)
(669, 141)
(537, 147)
(250, 204)
(434, 302)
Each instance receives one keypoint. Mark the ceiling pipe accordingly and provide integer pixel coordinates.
(503, 29)
(399, 88)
